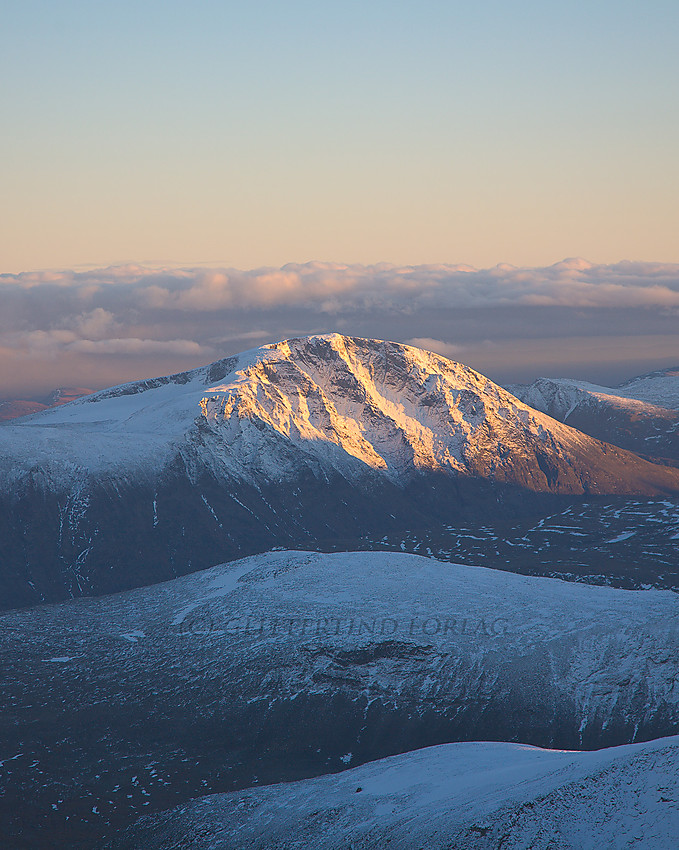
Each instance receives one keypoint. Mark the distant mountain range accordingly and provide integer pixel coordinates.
(641, 415)
(312, 439)
(119, 712)
(14, 408)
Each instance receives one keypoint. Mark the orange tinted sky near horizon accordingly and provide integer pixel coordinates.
(268, 133)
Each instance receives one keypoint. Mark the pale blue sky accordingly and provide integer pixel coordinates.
(264, 133)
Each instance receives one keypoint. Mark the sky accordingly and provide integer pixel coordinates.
(218, 136)
(97, 328)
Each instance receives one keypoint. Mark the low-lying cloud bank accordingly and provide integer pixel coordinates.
(108, 325)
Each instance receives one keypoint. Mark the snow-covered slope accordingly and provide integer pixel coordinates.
(326, 437)
(658, 389)
(641, 415)
(563, 395)
(480, 796)
(292, 664)
(329, 403)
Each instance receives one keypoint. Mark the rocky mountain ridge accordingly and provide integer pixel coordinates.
(320, 438)
(641, 415)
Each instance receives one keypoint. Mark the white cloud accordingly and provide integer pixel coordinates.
(96, 324)
(165, 317)
(135, 346)
(245, 336)
(573, 282)
(36, 344)
(438, 346)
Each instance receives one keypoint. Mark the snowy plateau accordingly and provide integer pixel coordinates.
(443, 614)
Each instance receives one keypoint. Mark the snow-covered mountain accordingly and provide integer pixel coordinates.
(660, 388)
(641, 415)
(292, 664)
(324, 437)
(14, 408)
(332, 404)
(480, 796)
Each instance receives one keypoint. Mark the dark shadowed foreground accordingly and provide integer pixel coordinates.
(290, 665)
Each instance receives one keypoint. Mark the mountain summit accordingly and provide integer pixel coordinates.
(354, 403)
(323, 437)
(327, 404)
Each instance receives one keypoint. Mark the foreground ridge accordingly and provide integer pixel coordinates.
(292, 664)
(481, 796)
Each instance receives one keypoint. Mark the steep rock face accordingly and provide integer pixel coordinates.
(355, 404)
(325, 437)
(292, 664)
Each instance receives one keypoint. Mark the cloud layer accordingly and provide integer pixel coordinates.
(108, 325)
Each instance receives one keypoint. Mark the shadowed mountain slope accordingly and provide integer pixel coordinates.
(316, 438)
